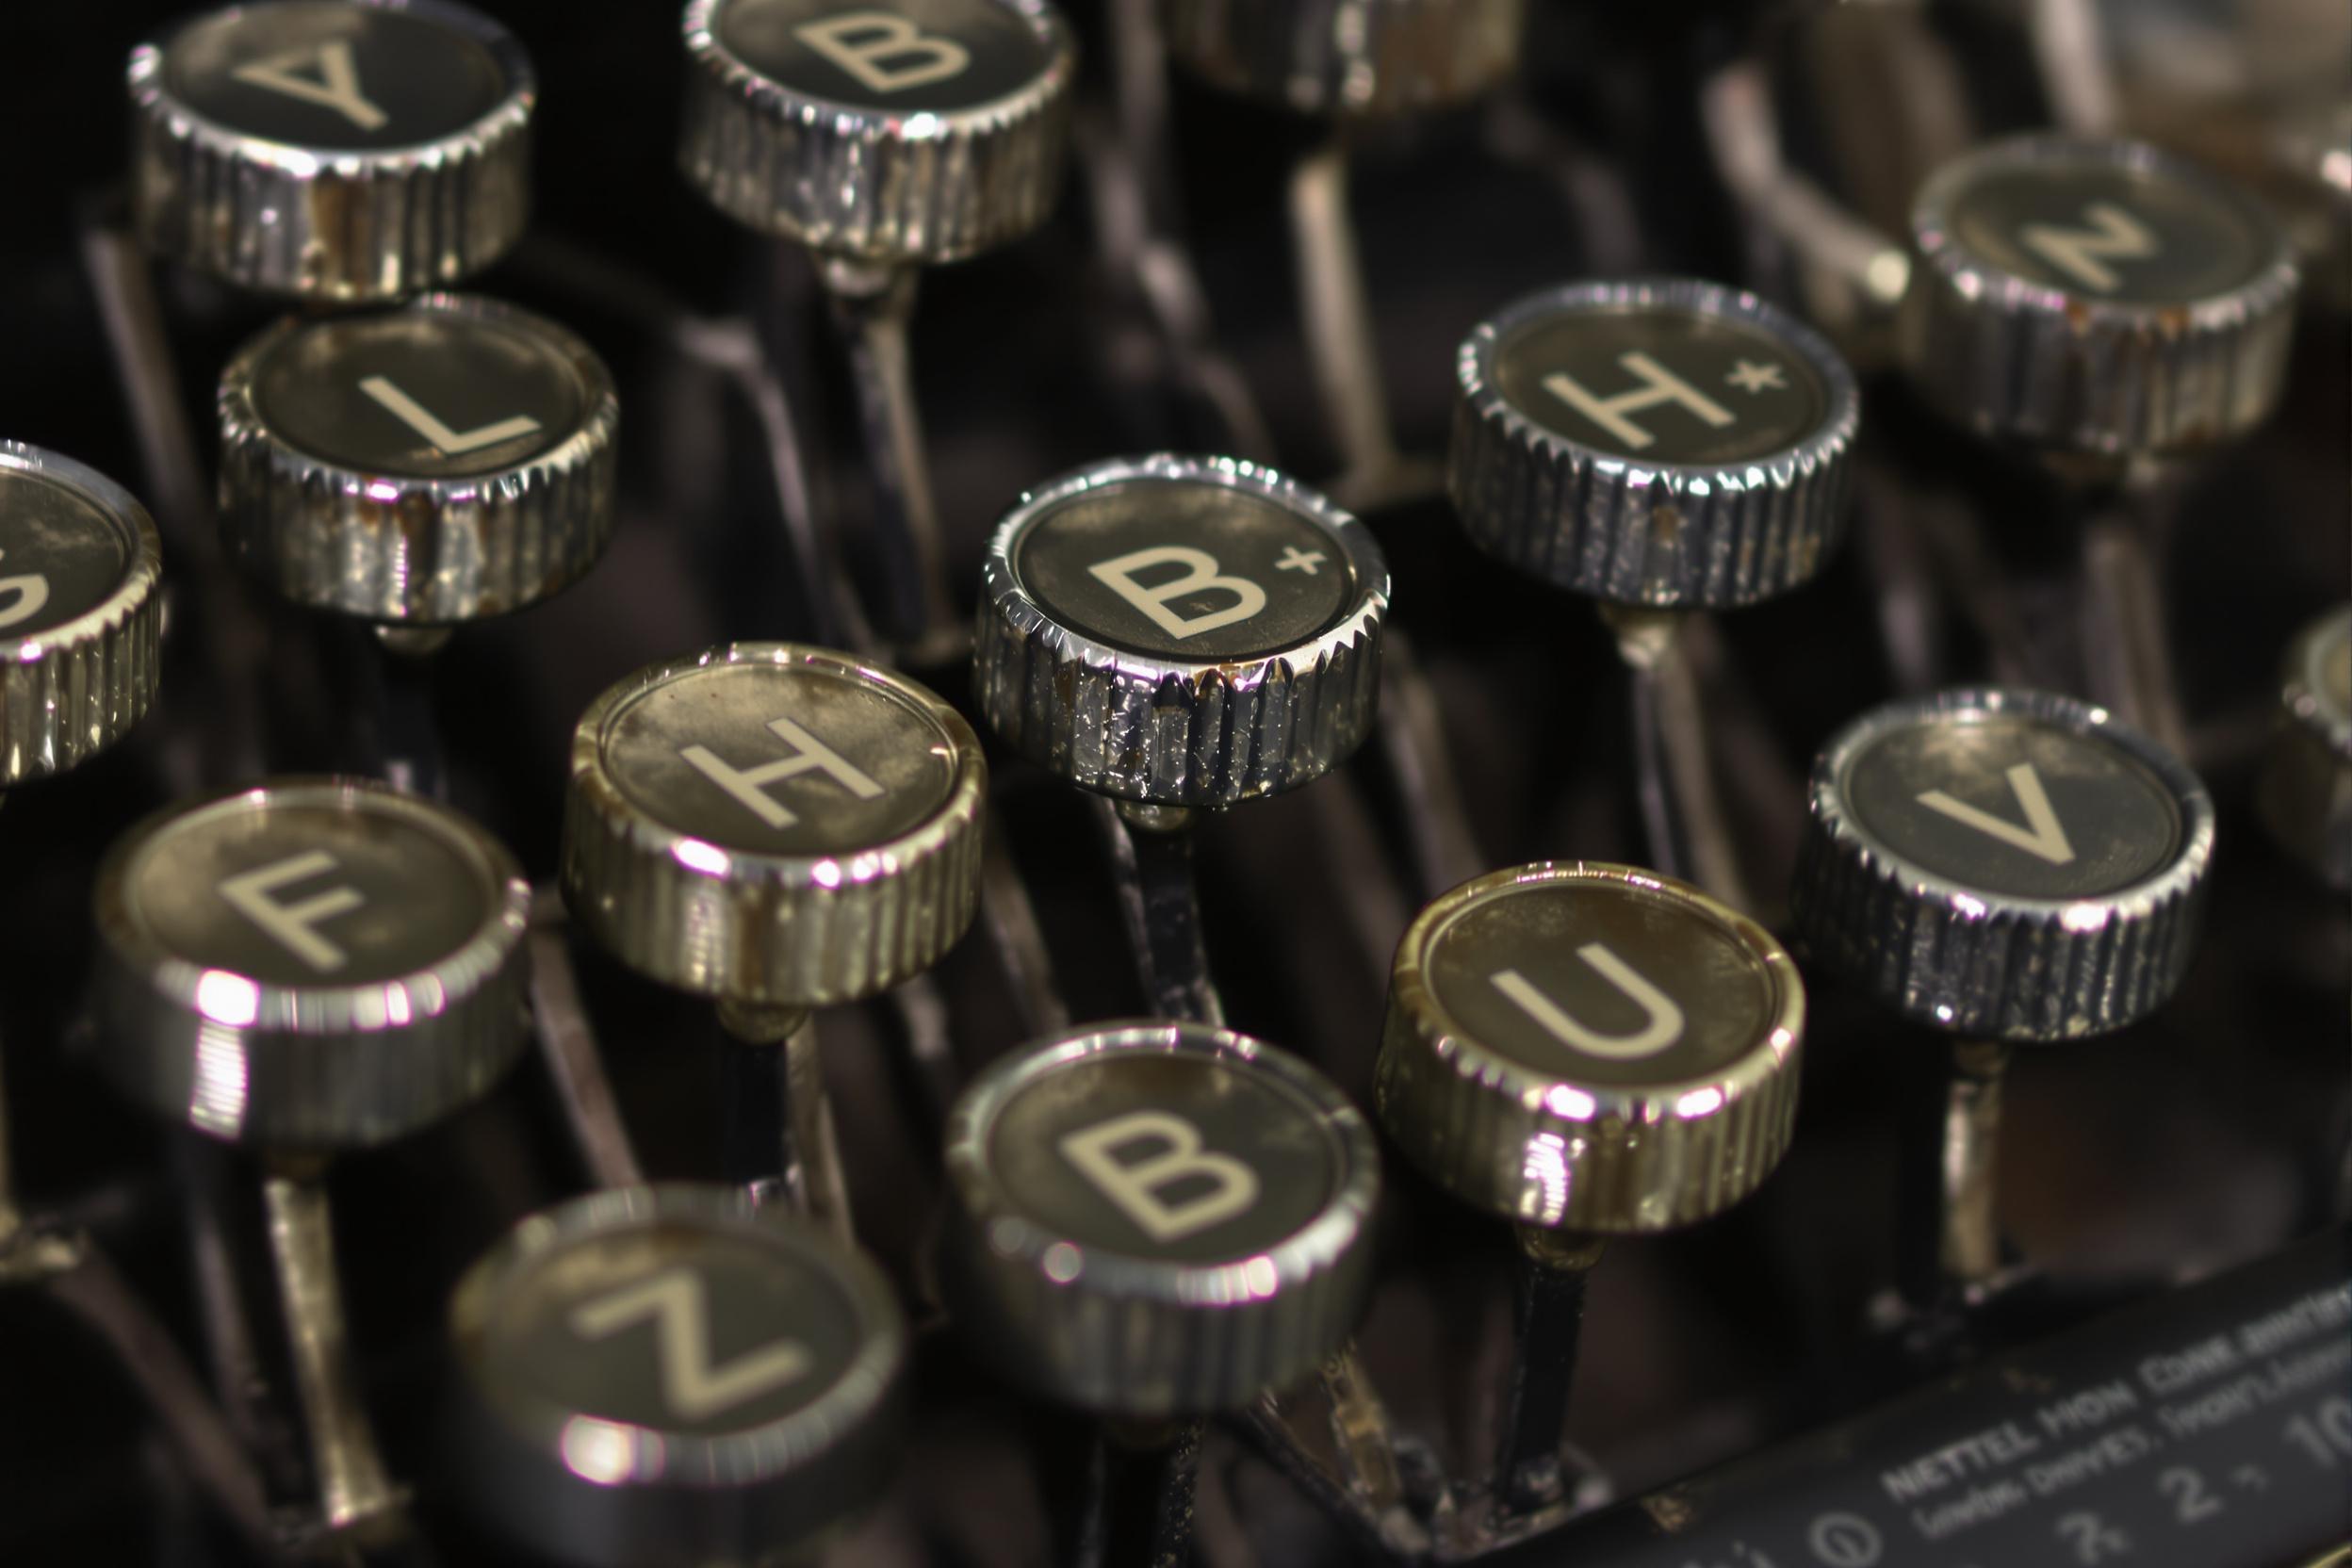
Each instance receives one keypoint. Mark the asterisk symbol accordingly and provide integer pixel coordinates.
(1751, 377)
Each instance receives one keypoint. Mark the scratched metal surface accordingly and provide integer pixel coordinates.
(2206, 1137)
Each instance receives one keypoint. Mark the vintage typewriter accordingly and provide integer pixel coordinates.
(1079, 781)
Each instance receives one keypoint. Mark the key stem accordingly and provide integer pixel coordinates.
(567, 1043)
(356, 1498)
(780, 1138)
(872, 308)
(1548, 1304)
(1152, 854)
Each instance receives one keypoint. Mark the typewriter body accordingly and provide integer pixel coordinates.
(1259, 470)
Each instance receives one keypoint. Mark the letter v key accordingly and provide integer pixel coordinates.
(448, 442)
(2042, 836)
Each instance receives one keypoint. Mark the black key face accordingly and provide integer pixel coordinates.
(1179, 568)
(675, 1327)
(1176, 1158)
(900, 55)
(2104, 231)
(1661, 385)
(335, 77)
(422, 393)
(2013, 807)
(61, 556)
(307, 895)
(778, 760)
(1602, 982)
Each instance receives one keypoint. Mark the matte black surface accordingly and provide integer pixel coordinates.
(999, 51)
(60, 555)
(2116, 822)
(420, 79)
(1764, 397)
(2211, 1427)
(1298, 570)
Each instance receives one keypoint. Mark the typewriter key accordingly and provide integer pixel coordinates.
(885, 138)
(1342, 56)
(307, 966)
(2096, 296)
(1158, 1218)
(80, 563)
(1180, 631)
(1153, 1222)
(2000, 866)
(915, 131)
(1585, 1050)
(347, 150)
(2305, 789)
(1657, 447)
(1349, 60)
(779, 828)
(666, 1375)
(438, 464)
(309, 963)
(1665, 445)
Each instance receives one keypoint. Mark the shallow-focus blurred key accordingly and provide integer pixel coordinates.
(779, 828)
(1157, 1219)
(1585, 1051)
(2002, 866)
(307, 966)
(344, 150)
(1154, 1222)
(441, 463)
(1349, 56)
(2096, 296)
(80, 564)
(2306, 789)
(667, 1376)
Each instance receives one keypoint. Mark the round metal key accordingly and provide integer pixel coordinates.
(897, 131)
(309, 963)
(2306, 789)
(2096, 296)
(1181, 630)
(2004, 864)
(1670, 444)
(1155, 1219)
(333, 149)
(80, 610)
(445, 462)
(1593, 1048)
(776, 825)
(666, 1375)
(1349, 56)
